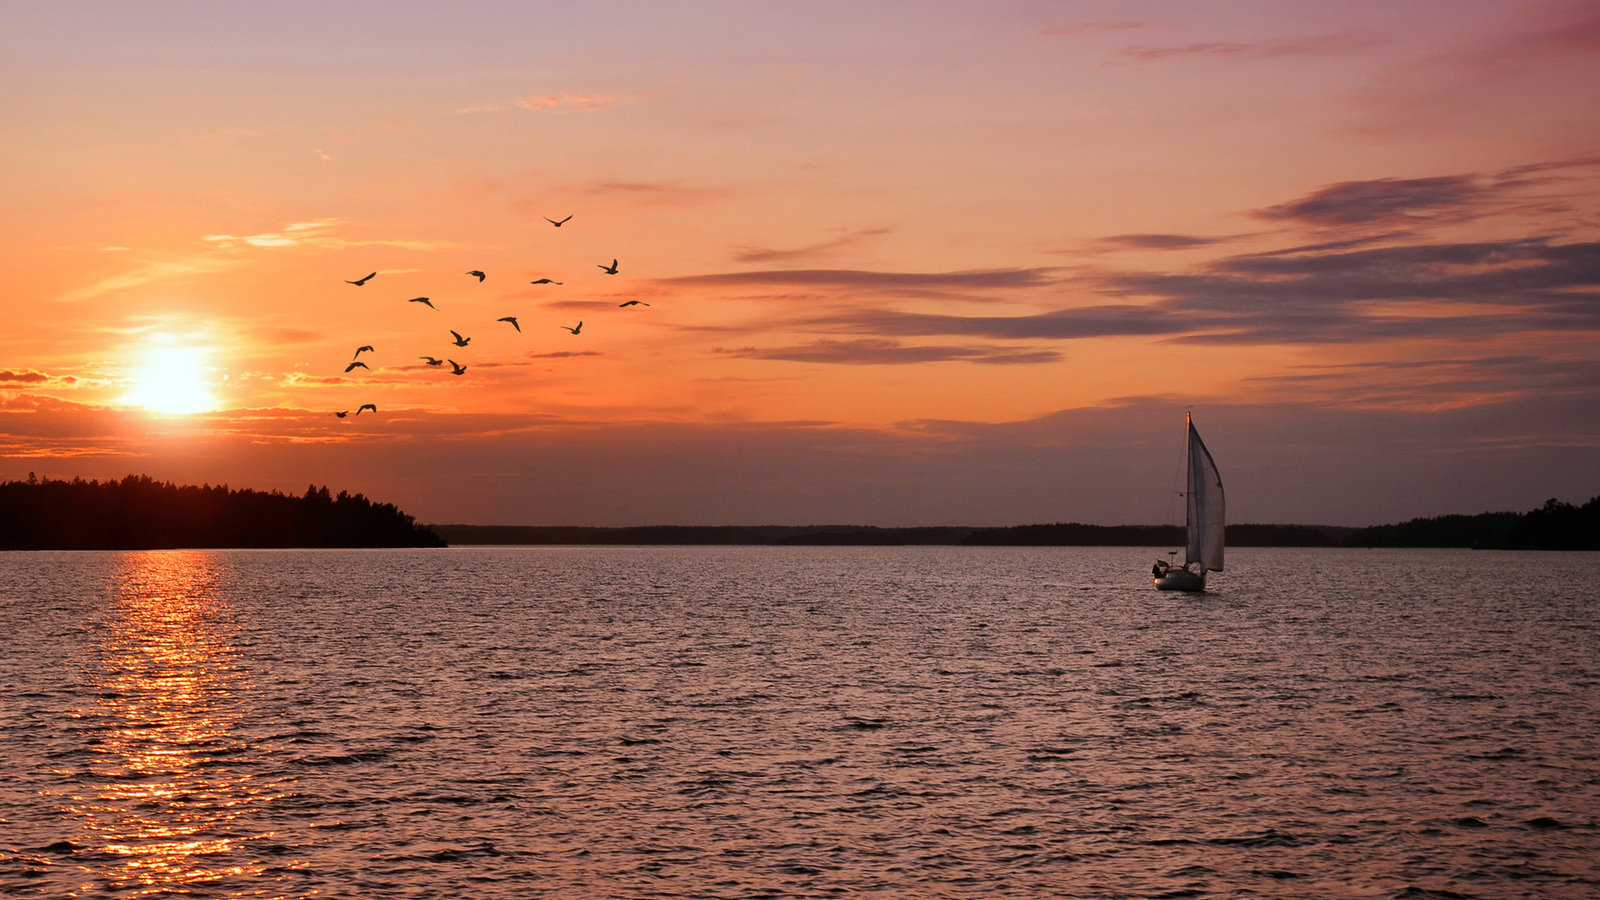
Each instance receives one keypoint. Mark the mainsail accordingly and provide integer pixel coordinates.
(1205, 519)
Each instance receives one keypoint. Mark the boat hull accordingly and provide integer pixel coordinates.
(1181, 580)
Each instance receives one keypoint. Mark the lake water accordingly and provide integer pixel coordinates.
(813, 722)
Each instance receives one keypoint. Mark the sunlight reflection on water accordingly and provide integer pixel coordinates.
(160, 799)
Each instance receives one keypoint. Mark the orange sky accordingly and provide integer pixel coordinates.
(923, 263)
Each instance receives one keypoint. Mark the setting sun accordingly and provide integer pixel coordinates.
(172, 382)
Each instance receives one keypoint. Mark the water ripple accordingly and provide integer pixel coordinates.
(808, 722)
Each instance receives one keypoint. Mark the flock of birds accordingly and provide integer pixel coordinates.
(459, 340)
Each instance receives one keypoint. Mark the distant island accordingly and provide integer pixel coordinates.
(140, 513)
(1056, 535)
(1555, 526)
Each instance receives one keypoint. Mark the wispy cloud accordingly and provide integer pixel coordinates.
(882, 351)
(1250, 50)
(1465, 289)
(33, 379)
(1382, 199)
(810, 251)
(1435, 383)
(384, 375)
(39, 426)
(63, 449)
(1063, 324)
(560, 102)
(1515, 272)
(569, 102)
(651, 193)
(870, 280)
(1542, 188)
(146, 273)
(291, 235)
(1159, 241)
(221, 252)
(1560, 170)
(316, 234)
(29, 378)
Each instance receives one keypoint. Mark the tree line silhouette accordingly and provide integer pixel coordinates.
(140, 513)
(1554, 526)
(1059, 534)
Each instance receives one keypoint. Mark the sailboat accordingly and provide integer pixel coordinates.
(1203, 522)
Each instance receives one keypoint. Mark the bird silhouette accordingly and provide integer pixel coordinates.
(371, 406)
(574, 330)
(360, 281)
(363, 349)
(424, 300)
(480, 275)
(545, 281)
(555, 223)
(459, 341)
(357, 365)
(431, 361)
(633, 303)
(611, 269)
(342, 413)
(512, 320)
(456, 368)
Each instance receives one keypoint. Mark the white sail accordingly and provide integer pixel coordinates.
(1205, 507)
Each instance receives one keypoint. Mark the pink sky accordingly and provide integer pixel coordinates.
(906, 263)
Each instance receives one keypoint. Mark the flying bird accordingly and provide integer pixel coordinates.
(360, 281)
(555, 223)
(456, 368)
(363, 349)
(512, 320)
(459, 341)
(611, 269)
(480, 275)
(343, 412)
(357, 364)
(422, 300)
(574, 330)
(371, 406)
(633, 303)
(431, 361)
(544, 281)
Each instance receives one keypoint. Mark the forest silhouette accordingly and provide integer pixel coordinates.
(1554, 526)
(140, 513)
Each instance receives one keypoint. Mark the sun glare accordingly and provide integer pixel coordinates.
(172, 382)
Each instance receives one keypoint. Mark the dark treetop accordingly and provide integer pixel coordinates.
(139, 513)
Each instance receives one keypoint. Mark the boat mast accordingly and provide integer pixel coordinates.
(1190, 550)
